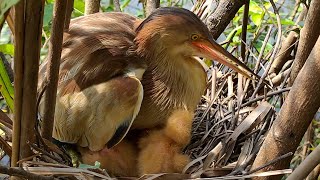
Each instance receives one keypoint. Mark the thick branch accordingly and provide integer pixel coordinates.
(295, 116)
(308, 37)
(54, 55)
(32, 46)
(225, 12)
(151, 6)
(92, 6)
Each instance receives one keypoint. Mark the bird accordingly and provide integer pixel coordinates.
(128, 88)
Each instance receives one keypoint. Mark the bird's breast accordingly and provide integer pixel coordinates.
(180, 88)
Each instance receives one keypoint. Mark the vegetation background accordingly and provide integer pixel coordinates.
(259, 31)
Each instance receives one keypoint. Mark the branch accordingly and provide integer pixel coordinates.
(286, 47)
(307, 165)
(117, 6)
(244, 30)
(295, 115)
(68, 14)
(91, 6)
(53, 63)
(22, 173)
(151, 6)
(31, 56)
(309, 35)
(275, 51)
(18, 78)
(5, 147)
(225, 12)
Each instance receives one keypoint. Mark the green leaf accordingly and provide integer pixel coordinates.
(125, 3)
(6, 87)
(7, 49)
(79, 7)
(287, 22)
(256, 19)
(48, 13)
(5, 5)
(258, 45)
(255, 7)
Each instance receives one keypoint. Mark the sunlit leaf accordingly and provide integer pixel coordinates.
(7, 49)
(287, 22)
(79, 7)
(6, 87)
(256, 19)
(255, 7)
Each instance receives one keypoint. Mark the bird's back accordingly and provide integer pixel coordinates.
(98, 69)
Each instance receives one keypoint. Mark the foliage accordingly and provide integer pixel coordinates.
(6, 87)
(5, 6)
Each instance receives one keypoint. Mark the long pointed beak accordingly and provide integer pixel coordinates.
(212, 50)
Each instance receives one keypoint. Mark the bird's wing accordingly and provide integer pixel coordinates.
(99, 89)
(96, 48)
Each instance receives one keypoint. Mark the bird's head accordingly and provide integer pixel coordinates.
(180, 33)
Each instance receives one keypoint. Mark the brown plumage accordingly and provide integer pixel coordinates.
(119, 73)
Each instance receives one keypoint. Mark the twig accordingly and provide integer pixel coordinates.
(307, 141)
(244, 30)
(271, 162)
(117, 5)
(151, 6)
(5, 147)
(22, 173)
(268, 95)
(264, 44)
(45, 153)
(276, 48)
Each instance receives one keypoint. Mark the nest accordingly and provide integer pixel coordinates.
(228, 131)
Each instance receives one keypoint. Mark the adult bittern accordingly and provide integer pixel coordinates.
(121, 74)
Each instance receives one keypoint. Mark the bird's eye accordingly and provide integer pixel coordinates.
(194, 37)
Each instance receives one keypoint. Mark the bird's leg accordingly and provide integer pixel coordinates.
(120, 160)
(161, 149)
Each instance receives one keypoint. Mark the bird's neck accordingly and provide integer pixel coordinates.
(173, 81)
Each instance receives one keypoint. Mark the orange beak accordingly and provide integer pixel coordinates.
(212, 50)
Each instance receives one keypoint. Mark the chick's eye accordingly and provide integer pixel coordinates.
(194, 37)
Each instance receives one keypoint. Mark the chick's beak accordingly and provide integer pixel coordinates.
(212, 50)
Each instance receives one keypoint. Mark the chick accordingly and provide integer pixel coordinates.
(161, 149)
